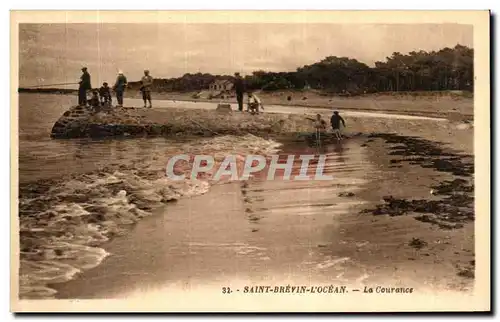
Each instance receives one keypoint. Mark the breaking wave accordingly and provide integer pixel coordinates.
(64, 221)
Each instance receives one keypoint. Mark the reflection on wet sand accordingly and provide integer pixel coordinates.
(256, 230)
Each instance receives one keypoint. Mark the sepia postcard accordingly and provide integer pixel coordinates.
(250, 161)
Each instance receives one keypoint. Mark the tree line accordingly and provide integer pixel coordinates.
(446, 69)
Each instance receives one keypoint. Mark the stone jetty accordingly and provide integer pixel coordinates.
(80, 122)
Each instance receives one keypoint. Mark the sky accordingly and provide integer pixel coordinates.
(55, 53)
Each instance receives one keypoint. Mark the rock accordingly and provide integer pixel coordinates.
(224, 108)
(173, 122)
(463, 126)
(346, 194)
(417, 243)
(424, 218)
(468, 273)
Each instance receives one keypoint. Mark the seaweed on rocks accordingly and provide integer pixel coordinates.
(427, 154)
(436, 211)
(455, 203)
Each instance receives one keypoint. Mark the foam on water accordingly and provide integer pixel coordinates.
(332, 262)
(63, 222)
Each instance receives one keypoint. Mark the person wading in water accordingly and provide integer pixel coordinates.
(119, 88)
(84, 87)
(239, 87)
(319, 127)
(147, 83)
(335, 121)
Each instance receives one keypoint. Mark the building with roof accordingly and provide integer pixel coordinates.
(221, 85)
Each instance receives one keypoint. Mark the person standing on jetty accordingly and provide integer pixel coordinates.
(147, 83)
(84, 86)
(119, 88)
(239, 87)
(335, 121)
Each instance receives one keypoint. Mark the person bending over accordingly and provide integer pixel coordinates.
(254, 103)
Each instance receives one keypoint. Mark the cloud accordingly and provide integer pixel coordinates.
(56, 52)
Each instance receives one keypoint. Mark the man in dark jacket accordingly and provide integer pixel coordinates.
(239, 87)
(84, 87)
(119, 88)
(335, 121)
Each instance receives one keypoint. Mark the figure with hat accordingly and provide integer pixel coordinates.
(146, 84)
(239, 88)
(84, 86)
(119, 88)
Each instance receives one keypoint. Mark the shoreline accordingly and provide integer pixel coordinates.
(332, 102)
(364, 103)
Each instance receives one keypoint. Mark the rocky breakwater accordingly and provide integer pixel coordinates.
(72, 123)
(79, 122)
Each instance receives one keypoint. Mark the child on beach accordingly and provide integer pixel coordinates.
(319, 123)
(319, 126)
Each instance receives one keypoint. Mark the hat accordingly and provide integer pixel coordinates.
(146, 70)
(120, 72)
(84, 68)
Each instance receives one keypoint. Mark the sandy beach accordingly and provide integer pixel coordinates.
(437, 104)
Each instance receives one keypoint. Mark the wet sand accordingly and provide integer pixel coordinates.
(254, 230)
(263, 232)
